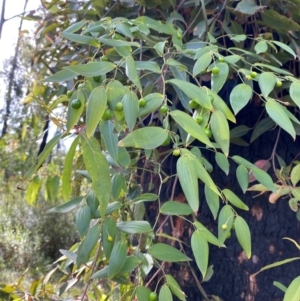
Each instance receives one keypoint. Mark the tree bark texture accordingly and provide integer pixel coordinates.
(268, 223)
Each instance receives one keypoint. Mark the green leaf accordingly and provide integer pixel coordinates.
(43, 156)
(52, 186)
(92, 69)
(83, 218)
(147, 65)
(202, 63)
(285, 47)
(240, 96)
(160, 48)
(134, 227)
(223, 163)
(220, 130)
(208, 235)
(266, 82)
(212, 200)
(153, 102)
(80, 39)
(131, 72)
(280, 286)
(295, 92)
(147, 138)
(200, 250)
(66, 187)
(143, 293)
(190, 126)
(75, 114)
(124, 51)
(167, 253)
(206, 49)
(98, 169)
(275, 69)
(242, 176)
(193, 92)
(146, 197)
(109, 228)
(75, 27)
(234, 199)
(103, 273)
(218, 81)
(175, 288)
(110, 138)
(130, 264)
(261, 47)
(226, 217)
(117, 259)
(247, 7)
(264, 178)
(165, 293)
(295, 174)
(117, 43)
(277, 112)
(239, 131)
(118, 183)
(263, 126)
(61, 76)
(33, 190)
(130, 108)
(93, 203)
(175, 208)
(188, 180)
(96, 106)
(87, 245)
(66, 207)
(243, 234)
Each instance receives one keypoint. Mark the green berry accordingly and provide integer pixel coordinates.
(142, 102)
(279, 83)
(193, 104)
(109, 238)
(253, 74)
(176, 152)
(199, 119)
(164, 109)
(104, 58)
(167, 141)
(208, 132)
(119, 106)
(107, 115)
(80, 86)
(69, 93)
(248, 77)
(153, 296)
(224, 227)
(221, 59)
(97, 78)
(215, 70)
(228, 234)
(76, 104)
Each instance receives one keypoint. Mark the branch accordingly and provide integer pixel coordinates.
(2, 18)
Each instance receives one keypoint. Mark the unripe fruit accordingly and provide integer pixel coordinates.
(97, 78)
(109, 238)
(208, 132)
(176, 152)
(248, 77)
(167, 141)
(193, 104)
(153, 296)
(253, 74)
(80, 86)
(76, 104)
(69, 93)
(221, 59)
(199, 119)
(164, 109)
(142, 102)
(104, 58)
(228, 234)
(224, 227)
(215, 70)
(279, 83)
(107, 115)
(119, 106)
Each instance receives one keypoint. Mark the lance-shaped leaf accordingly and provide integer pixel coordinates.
(222, 161)
(93, 68)
(98, 169)
(240, 96)
(190, 126)
(208, 235)
(188, 179)
(266, 81)
(293, 291)
(243, 234)
(66, 176)
(226, 217)
(234, 199)
(153, 102)
(242, 176)
(80, 39)
(202, 63)
(83, 218)
(175, 208)
(110, 138)
(263, 126)
(134, 227)
(66, 207)
(218, 81)
(33, 190)
(131, 72)
(165, 294)
(212, 200)
(175, 288)
(52, 186)
(130, 108)
(200, 250)
(95, 108)
(295, 174)
(117, 259)
(277, 112)
(167, 253)
(220, 130)
(146, 138)
(295, 92)
(74, 114)
(61, 76)
(193, 92)
(143, 293)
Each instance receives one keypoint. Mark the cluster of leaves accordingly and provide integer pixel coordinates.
(140, 93)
